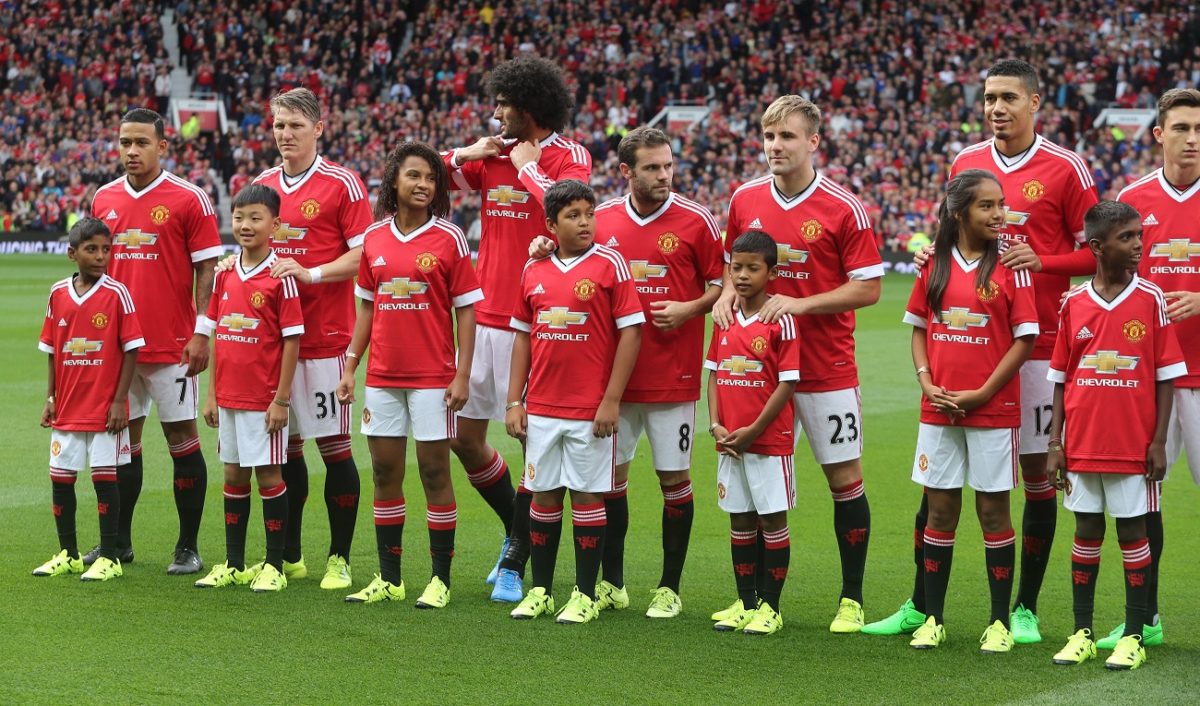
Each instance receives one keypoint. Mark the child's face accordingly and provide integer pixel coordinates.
(1121, 248)
(416, 184)
(253, 225)
(92, 255)
(985, 217)
(575, 227)
(750, 273)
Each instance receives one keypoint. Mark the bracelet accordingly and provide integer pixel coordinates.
(282, 403)
(314, 274)
(50, 399)
(510, 405)
(1054, 446)
(713, 427)
(922, 369)
(352, 354)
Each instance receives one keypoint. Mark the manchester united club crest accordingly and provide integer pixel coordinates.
(1134, 330)
(159, 214)
(100, 320)
(258, 299)
(310, 208)
(55, 448)
(366, 416)
(585, 289)
(923, 462)
(1033, 190)
(759, 344)
(529, 473)
(426, 262)
(668, 243)
(988, 292)
(721, 490)
(811, 230)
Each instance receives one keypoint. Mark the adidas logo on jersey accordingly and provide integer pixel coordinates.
(755, 224)
(538, 289)
(1084, 334)
(378, 262)
(1150, 220)
(724, 341)
(112, 215)
(612, 242)
(62, 322)
(225, 297)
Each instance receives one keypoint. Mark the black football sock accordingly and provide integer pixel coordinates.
(129, 483)
(744, 551)
(1085, 568)
(191, 483)
(918, 594)
(1000, 553)
(760, 564)
(295, 475)
(616, 509)
(389, 537)
(62, 503)
(108, 506)
(237, 518)
(679, 508)
(517, 554)
(776, 556)
(494, 485)
(939, 553)
(341, 494)
(1037, 537)
(1154, 535)
(589, 523)
(1136, 557)
(852, 524)
(545, 529)
(442, 519)
(275, 512)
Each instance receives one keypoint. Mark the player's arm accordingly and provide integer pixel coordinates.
(339, 269)
(936, 395)
(277, 413)
(1056, 456)
(609, 411)
(525, 158)
(209, 410)
(464, 323)
(49, 409)
(1020, 256)
(1156, 453)
(722, 310)
(1183, 305)
(854, 294)
(359, 340)
(1009, 366)
(118, 411)
(484, 148)
(516, 422)
(669, 315)
(715, 427)
(740, 439)
(195, 353)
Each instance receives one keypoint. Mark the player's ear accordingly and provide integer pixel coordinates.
(275, 223)
(71, 253)
(773, 272)
(1095, 245)
(1035, 102)
(552, 226)
(318, 129)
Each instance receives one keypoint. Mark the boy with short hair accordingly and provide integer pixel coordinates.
(91, 334)
(754, 369)
(1113, 363)
(577, 315)
(257, 324)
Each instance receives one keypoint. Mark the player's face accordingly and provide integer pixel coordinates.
(141, 150)
(650, 180)
(575, 227)
(295, 135)
(788, 145)
(985, 216)
(1122, 248)
(416, 184)
(253, 225)
(1008, 108)
(1179, 136)
(749, 273)
(92, 256)
(514, 124)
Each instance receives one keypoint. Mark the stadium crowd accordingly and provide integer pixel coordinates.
(899, 83)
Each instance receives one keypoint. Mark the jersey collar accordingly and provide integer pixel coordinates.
(247, 274)
(1009, 169)
(283, 185)
(1109, 306)
(563, 267)
(139, 193)
(1173, 192)
(743, 321)
(633, 214)
(543, 144)
(788, 204)
(413, 235)
(962, 261)
(76, 297)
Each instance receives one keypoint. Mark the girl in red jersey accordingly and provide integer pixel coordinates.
(974, 323)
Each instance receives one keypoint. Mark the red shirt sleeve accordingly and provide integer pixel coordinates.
(523, 309)
(46, 339)
(130, 327)
(858, 246)
(356, 217)
(625, 300)
(203, 238)
(463, 280)
(467, 177)
(1022, 307)
(1167, 352)
(214, 301)
(711, 357)
(366, 279)
(291, 319)
(788, 349)
(1075, 205)
(918, 301)
(537, 180)
(1060, 359)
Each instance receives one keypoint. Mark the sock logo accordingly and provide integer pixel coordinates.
(778, 573)
(274, 525)
(102, 508)
(1081, 578)
(185, 483)
(347, 501)
(743, 569)
(57, 510)
(538, 539)
(1001, 573)
(1136, 579)
(394, 549)
(232, 518)
(856, 536)
(588, 542)
(932, 566)
(672, 512)
(1033, 545)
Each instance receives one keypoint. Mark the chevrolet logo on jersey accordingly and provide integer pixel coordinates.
(402, 288)
(740, 365)
(285, 233)
(560, 317)
(505, 195)
(237, 323)
(81, 346)
(135, 238)
(960, 318)
(642, 270)
(1108, 362)
(1176, 250)
(1016, 218)
(788, 255)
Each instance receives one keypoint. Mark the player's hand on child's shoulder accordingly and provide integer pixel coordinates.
(722, 311)
(540, 247)
(922, 256)
(1019, 257)
(1182, 305)
(226, 263)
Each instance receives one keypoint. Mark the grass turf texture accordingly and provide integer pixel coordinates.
(149, 637)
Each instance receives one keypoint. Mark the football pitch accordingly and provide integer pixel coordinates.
(152, 638)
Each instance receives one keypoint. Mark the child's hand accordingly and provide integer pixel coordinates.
(739, 440)
(457, 393)
(1056, 469)
(940, 398)
(607, 416)
(277, 418)
(48, 413)
(210, 413)
(516, 422)
(345, 389)
(118, 416)
(1156, 461)
(719, 433)
(966, 400)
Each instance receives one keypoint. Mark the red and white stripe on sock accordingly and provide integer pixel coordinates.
(999, 540)
(1039, 488)
(333, 448)
(587, 515)
(847, 493)
(442, 517)
(619, 491)
(778, 539)
(1136, 554)
(743, 538)
(183, 448)
(678, 494)
(1087, 551)
(390, 512)
(490, 473)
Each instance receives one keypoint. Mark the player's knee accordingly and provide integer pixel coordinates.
(177, 434)
(435, 474)
(774, 521)
(236, 475)
(334, 448)
(1089, 525)
(1131, 529)
(621, 474)
(840, 475)
(268, 476)
(743, 521)
(667, 479)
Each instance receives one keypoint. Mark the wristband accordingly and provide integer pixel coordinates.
(50, 399)
(202, 326)
(1054, 446)
(922, 369)
(352, 354)
(282, 403)
(713, 427)
(510, 405)
(314, 274)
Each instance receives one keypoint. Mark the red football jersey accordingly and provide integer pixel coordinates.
(512, 215)
(1171, 252)
(750, 359)
(673, 255)
(323, 216)
(415, 281)
(1047, 192)
(1109, 355)
(251, 313)
(971, 334)
(159, 233)
(825, 240)
(572, 313)
(88, 336)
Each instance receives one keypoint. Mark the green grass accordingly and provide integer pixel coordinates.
(150, 638)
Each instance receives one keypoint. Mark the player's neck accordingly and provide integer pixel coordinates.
(644, 207)
(83, 282)
(299, 165)
(1109, 281)
(1179, 177)
(750, 305)
(139, 183)
(792, 184)
(253, 256)
(1015, 145)
(538, 134)
(971, 247)
(407, 220)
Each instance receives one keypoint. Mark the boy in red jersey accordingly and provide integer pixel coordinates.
(416, 289)
(754, 369)
(1114, 361)
(91, 334)
(579, 327)
(257, 322)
